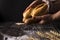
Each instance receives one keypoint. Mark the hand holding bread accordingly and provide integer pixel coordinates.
(39, 10)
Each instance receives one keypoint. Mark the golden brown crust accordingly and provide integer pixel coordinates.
(38, 10)
(26, 14)
(33, 4)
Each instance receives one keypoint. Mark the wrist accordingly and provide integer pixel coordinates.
(56, 16)
(53, 17)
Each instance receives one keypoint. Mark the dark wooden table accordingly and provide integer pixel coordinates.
(17, 29)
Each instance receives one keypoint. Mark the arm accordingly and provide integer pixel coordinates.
(45, 19)
(56, 16)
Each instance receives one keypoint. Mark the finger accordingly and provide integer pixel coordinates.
(42, 22)
(37, 17)
(46, 17)
(30, 21)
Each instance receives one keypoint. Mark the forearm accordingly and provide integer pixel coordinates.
(56, 16)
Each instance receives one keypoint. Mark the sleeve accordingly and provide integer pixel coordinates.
(54, 6)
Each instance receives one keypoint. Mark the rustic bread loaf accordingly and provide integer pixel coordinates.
(39, 10)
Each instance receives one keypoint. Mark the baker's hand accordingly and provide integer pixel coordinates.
(39, 10)
(44, 19)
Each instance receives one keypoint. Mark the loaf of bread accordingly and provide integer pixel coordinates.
(39, 10)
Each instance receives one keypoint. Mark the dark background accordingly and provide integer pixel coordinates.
(11, 10)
